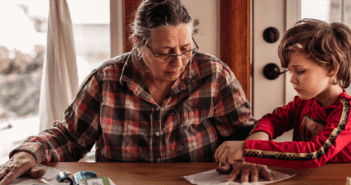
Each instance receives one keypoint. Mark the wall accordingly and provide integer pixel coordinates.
(207, 12)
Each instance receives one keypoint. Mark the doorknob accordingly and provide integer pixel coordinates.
(271, 71)
(271, 35)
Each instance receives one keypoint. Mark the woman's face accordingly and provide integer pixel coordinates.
(167, 40)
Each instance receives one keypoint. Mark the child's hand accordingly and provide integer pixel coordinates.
(230, 151)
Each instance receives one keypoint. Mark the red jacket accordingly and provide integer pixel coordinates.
(321, 135)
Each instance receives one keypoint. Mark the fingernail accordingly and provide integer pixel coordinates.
(229, 180)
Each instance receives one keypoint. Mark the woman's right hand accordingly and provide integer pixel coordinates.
(247, 172)
(21, 163)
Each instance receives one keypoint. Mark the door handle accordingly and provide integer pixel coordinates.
(271, 71)
(271, 35)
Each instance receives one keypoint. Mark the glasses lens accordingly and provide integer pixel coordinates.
(165, 57)
(185, 55)
(188, 54)
(193, 52)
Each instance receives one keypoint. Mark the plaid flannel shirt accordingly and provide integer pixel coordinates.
(114, 110)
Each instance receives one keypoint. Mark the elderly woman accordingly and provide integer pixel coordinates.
(162, 102)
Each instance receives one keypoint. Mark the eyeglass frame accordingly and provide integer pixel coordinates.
(174, 55)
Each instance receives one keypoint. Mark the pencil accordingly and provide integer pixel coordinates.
(220, 164)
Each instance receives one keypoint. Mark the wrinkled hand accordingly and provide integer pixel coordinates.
(230, 151)
(249, 172)
(21, 163)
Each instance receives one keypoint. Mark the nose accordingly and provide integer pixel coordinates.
(177, 61)
(293, 78)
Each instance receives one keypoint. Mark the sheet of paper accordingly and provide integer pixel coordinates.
(212, 177)
(51, 173)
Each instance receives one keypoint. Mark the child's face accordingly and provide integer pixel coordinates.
(308, 78)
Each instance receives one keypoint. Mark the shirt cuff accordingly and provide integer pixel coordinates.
(32, 148)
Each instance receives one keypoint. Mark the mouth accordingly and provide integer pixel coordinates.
(297, 90)
(173, 72)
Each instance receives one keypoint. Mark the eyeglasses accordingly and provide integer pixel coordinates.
(185, 55)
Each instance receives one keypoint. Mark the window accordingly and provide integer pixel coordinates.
(91, 29)
(23, 38)
(22, 52)
(325, 10)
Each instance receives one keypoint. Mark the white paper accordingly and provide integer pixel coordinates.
(50, 174)
(212, 177)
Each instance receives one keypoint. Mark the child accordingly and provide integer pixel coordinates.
(318, 56)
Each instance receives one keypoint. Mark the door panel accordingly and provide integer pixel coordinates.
(269, 94)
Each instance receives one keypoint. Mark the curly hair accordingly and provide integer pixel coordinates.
(329, 45)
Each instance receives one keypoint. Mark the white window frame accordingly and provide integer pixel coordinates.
(116, 27)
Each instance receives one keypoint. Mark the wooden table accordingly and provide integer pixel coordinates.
(170, 173)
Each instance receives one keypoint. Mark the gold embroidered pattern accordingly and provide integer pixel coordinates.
(311, 155)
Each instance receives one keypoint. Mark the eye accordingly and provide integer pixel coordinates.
(166, 52)
(300, 72)
(185, 48)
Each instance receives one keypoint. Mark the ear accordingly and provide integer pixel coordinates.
(135, 42)
(135, 39)
(333, 72)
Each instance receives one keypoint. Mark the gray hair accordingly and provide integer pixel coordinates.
(152, 14)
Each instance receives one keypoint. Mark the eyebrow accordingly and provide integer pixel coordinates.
(172, 47)
(295, 66)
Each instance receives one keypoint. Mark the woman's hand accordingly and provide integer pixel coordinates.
(249, 172)
(21, 163)
(230, 151)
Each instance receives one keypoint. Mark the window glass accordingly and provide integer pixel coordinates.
(22, 52)
(91, 29)
(325, 10)
(23, 38)
(347, 10)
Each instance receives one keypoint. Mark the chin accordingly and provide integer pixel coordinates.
(305, 97)
(172, 77)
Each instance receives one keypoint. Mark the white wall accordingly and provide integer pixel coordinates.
(207, 11)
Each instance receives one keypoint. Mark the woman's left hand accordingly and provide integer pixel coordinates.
(230, 151)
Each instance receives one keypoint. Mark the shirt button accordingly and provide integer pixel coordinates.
(157, 134)
(158, 160)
